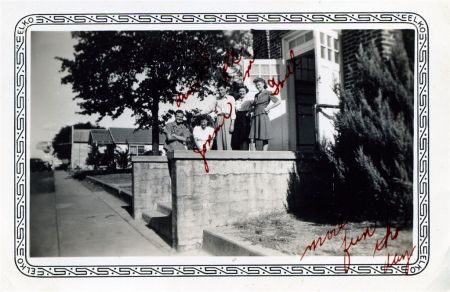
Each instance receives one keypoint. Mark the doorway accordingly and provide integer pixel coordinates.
(305, 99)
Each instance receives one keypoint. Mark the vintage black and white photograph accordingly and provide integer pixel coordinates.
(225, 146)
(223, 143)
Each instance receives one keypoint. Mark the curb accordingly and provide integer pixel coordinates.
(114, 189)
(219, 244)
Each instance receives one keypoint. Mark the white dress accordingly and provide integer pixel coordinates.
(201, 136)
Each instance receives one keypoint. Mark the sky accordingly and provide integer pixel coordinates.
(52, 105)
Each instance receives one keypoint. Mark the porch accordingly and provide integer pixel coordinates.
(179, 199)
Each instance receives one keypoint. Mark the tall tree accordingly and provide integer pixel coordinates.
(94, 158)
(373, 152)
(115, 70)
(61, 143)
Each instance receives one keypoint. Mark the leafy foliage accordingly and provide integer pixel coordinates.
(94, 157)
(115, 70)
(310, 194)
(122, 158)
(373, 151)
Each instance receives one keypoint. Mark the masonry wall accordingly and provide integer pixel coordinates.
(151, 183)
(263, 46)
(239, 185)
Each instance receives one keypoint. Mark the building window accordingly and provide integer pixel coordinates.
(336, 44)
(308, 36)
(265, 69)
(133, 150)
(137, 149)
(300, 40)
(329, 49)
(336, 57)
(336, 51)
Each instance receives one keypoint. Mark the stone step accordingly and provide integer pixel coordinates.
(160, 222)
(148, 215)
(163, 207)
(217, 243)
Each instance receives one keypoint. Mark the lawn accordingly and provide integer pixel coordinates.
(287, 234)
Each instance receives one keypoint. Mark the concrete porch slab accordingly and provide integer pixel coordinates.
(218, 244)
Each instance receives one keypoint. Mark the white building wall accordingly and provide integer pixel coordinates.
(124, 147)
(328, 75)
(79, 154)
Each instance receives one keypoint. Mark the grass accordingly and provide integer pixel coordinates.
(287, 234)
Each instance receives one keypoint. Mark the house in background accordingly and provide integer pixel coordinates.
(80, 148)
(323, 59)
(108, 140)
(138, 142)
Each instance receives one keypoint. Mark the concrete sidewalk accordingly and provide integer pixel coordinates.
(79, 219)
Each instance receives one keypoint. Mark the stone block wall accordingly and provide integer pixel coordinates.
(151, 183)
(239, 185)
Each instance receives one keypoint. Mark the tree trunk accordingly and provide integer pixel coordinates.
(155, 128)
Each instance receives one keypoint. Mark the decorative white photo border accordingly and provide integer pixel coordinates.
(21, 201)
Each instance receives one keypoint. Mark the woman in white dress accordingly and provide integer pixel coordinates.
(203, 134)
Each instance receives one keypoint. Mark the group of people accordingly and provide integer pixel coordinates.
(235, 123)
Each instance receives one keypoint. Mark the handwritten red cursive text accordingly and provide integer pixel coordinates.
(290, 70)
(367, 233)
(233, 58)
(383, 243)
(210, 139)
(349, 242)
(249, 68)
(321, 240)
(397, 258)
(182, 97)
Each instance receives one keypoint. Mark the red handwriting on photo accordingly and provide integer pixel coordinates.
(321, 240)
(398, 258)
(204, 57)
(383, 243)
(210, 139)
(249, 68)
(182, 97)
(290, 70)
(233, 58)
(368, 232)
(230, 57)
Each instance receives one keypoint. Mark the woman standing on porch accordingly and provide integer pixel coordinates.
(224, 109)
(239, 140)
(260, 123)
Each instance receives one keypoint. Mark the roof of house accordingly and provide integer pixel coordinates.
(100, 136)
(81, 136)
(130, 136)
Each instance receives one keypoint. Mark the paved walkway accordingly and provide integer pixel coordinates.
(79, 219)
